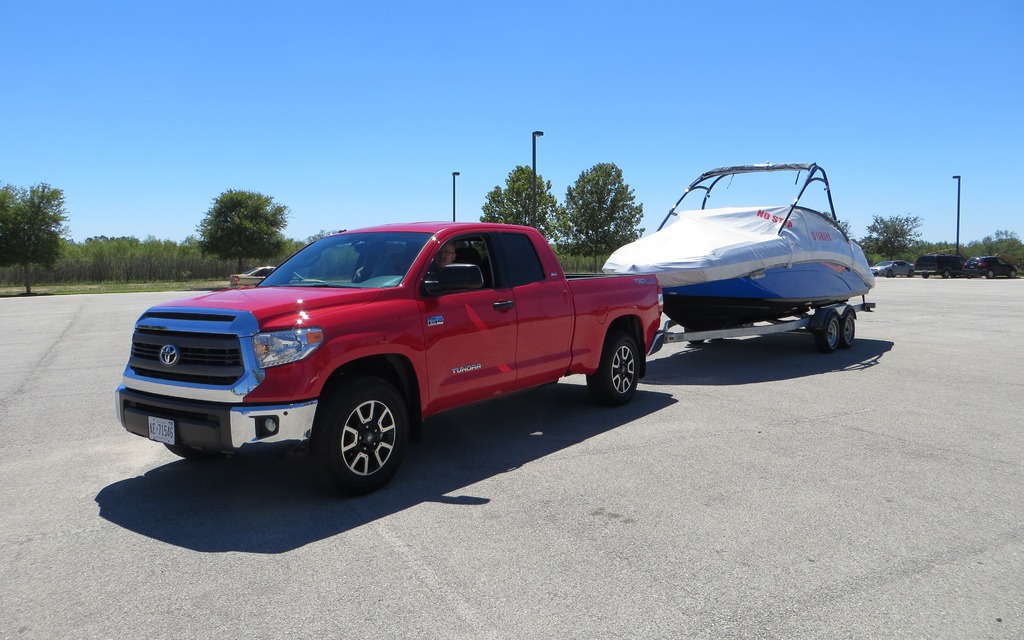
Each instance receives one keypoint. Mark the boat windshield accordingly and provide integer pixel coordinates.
(351, 260)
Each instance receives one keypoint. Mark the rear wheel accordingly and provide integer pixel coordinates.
(847, 329)
(889, 274)
(827, 336)
(990, 274)
(1013, 273)
(946, 273)
(359, 435)
(616, 378)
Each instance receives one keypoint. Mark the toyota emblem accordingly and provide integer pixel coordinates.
(169, 355)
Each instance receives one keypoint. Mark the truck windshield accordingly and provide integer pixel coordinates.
(363, 260)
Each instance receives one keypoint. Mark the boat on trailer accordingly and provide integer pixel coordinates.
(732, 266)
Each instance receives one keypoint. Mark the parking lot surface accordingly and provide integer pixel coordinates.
(754, 488)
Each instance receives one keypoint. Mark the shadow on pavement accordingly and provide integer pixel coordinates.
(759, 359)
(270, 506)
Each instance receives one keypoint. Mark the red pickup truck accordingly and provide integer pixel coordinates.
(357, 338)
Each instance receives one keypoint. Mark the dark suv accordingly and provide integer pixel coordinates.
(939, 265)
(990, 267)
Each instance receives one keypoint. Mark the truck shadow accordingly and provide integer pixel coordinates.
(758, 359)
(271, 506)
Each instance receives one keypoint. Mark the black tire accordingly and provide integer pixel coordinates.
(990, 274)
(359, 435)
(910, 274)
(1013, 274)
(616, 378)
(847, 329)
(890, 274)
(946, 273)
(192, 454)
(827, 336)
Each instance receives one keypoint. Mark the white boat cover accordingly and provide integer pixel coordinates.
(718, 244)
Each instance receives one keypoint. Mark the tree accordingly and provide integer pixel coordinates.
(599, 215)
(243, 224)
(32, 230)
(890, 237)
(514, 203)
(1005, 244)
(844, 226)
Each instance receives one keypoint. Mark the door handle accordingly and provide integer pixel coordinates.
(504, 305)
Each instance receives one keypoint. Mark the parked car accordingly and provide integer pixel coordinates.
(893, 268)
(250, 278)
(990, 267)
(939, 265)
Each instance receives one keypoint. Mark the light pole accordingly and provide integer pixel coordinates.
(957, 178)
(454, 174)
(533, 202)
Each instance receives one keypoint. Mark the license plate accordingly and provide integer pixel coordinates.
(161, 430)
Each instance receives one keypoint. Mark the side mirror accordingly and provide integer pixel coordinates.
(454, 277)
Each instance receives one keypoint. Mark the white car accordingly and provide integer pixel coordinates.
(250, 278)
(893, 268)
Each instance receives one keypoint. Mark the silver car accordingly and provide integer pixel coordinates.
(893, 268)
(250, 278)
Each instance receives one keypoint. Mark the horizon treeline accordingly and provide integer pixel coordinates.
(129, 260)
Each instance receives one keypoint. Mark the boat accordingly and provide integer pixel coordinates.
(732, 266)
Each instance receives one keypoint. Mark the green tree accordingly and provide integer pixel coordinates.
(243, 224)
(514, 203)
(600, 213)
(890, 237)
(32, 230)
(844, 226)
(1005, 244)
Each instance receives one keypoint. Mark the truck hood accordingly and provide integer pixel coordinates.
(280, 307)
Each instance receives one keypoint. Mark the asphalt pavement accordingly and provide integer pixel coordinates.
(754, 488)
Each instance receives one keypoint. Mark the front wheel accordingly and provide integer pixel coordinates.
(828, 336)
(359, 435)
(990, 274)
(616, 378)
(889, 274)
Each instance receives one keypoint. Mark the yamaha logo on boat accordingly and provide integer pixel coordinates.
(169, 355)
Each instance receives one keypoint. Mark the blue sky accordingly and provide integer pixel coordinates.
(358, 113)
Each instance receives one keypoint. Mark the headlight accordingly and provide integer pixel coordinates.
(281, 347)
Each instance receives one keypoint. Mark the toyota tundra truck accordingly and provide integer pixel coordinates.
(351, 343)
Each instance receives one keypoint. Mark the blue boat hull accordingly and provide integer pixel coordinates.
(779, 292)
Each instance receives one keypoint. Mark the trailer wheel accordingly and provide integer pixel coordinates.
(359, 435)
(827, 337)
(848, 329)
(615, 381)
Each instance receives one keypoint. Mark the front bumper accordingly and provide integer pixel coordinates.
(219, 427)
